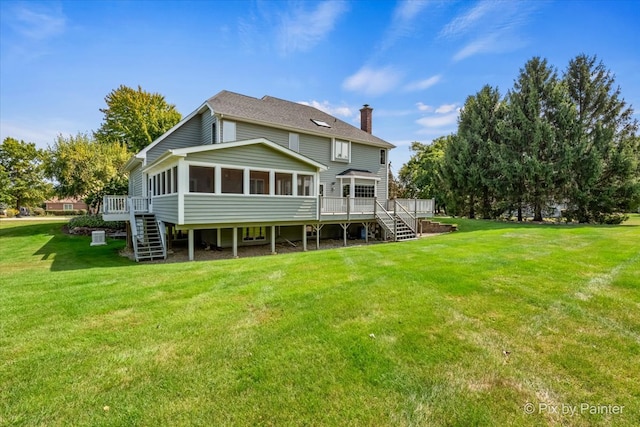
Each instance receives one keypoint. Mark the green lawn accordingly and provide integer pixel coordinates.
(397, 334)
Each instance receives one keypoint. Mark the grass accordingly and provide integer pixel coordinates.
(410, 333)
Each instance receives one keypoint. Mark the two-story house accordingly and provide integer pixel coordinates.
(240, 170)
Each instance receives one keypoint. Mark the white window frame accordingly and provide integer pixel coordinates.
(294, 142)
(338, 151)
(228, 131)
(67, 206)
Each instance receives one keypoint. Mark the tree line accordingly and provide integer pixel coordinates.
(566, 143)
(85, 165)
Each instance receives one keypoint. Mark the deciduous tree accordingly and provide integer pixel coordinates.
(22, 174)
(83, 167)
(135, 118)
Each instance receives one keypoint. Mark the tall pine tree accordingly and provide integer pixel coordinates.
(537, 108)
(604, 159)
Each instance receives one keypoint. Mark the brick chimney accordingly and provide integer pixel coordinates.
(366, 113)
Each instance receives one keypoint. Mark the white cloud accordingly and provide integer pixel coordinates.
(372, 81)
(329, 109)
(423, 84)
(489, 27)
(37, 22)
(402, 22)
(424, 107)
(441, 121)
(301, 29)
(446, 108)
(466, 21)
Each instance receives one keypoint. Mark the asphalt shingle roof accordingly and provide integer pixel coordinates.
(291, 115)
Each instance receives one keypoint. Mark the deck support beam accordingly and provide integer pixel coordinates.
(273, 240)
(191, 244)
(235, 242)
(317, 228)
(344, 226)
(304, 238)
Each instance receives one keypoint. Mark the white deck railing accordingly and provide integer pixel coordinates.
(413, 205)
(120, 204)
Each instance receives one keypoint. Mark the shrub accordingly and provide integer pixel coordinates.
(38, 212)
(95, 221)
(11, 212)
(57, 212)
(615, 218)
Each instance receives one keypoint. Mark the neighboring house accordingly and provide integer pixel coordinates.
(67, 204)
(240, 170)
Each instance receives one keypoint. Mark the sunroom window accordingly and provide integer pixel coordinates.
(284, 184)
(201, 179)
(232, 181)
(305, 185)
(258, 182)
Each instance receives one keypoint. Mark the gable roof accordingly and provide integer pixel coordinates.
(291, 115)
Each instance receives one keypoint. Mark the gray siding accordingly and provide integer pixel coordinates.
(221, 209)
(253, 131)
(135, 182)
(206, 120)
(259, 156)
(166, 208)
(319, 149)
(188, 135)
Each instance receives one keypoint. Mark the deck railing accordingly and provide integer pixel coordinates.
(120, 204)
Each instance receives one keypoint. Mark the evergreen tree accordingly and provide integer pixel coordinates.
(537, 105)
(604, 160)
(478, 130)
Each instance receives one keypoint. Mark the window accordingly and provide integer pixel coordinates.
(364, 191)
(305, 185)
(294, 142)
(258, 182)
(232, 181)
(67, 206)
(284, 184)
(383, 157)
(201, 179)
(322, 189)
(228, 131)
(175, 179)
(163, 183)
(253, 233)
(341, 150)
(214, 135)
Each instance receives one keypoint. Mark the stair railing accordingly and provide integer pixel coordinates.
(134, 227)
(405, 216)
(161, 230)
(384, 217)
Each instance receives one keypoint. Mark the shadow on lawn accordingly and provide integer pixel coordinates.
(65, 252)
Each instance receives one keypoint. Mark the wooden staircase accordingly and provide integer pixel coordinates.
(396, 224)
(148, 240)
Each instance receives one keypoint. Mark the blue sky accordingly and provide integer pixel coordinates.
(414, 62)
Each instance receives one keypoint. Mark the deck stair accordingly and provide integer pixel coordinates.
(148, 241)
(399, 225)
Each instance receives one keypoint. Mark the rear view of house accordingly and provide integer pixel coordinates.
(240, 170)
